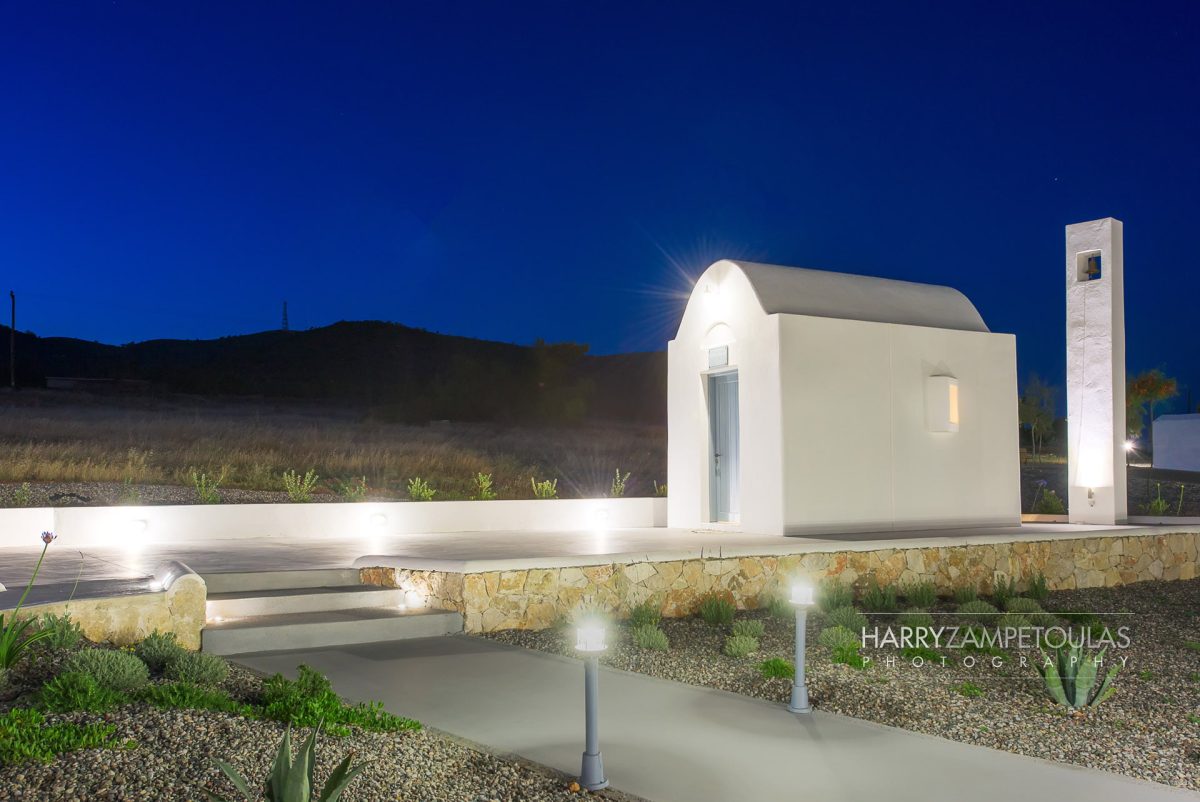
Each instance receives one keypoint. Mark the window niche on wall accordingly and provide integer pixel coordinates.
(941, 404)
(1089, 266)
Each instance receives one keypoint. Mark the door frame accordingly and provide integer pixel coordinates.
(710, 378)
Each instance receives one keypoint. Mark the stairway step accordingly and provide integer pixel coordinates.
(248, 581)
(300, 600)
(273, 633)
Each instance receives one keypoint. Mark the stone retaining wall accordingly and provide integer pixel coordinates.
(534, 598)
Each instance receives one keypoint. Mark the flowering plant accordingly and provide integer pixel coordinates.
(15, 636)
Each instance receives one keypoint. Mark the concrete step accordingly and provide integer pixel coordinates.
(245, 582)
(273, 633)
(245, 604)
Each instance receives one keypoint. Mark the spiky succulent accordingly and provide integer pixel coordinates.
(1070, 676)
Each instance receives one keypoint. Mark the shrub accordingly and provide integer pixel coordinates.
(299, 488)
(130, 492)
(354, 490)
(206, 486)
(1003, 591)
(749, 627)
(197, 668)
(777, 668)
(116, 670)
(1022, 605)
(781, 608)
(1070, 677)
(716, 611)
(158, 649)
(645, 614)
(1043, 619)
(978, 611)
(832, 594)
(618, 485)
(1013, 621)
(879, 599)
(847, 617)
(965, 593)
(921, 594)
(309, 699)
(969, 690)
(739, 646)
(923, 652)
(22, 496)
(544, 489)
(835, 638)
(419, 490)
(649, 636)
(64, 635)
(1038, 590)
(1048, 503)
(483, 487)
(916, 618)
(293, 781)
(74, 691)
(184, 696)
(660, 490)
(25, 735)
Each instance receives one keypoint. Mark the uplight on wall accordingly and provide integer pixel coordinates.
(941, 404)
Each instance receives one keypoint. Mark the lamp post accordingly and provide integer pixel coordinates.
(591, 642)
(802, 599)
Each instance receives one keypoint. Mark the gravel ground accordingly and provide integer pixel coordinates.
(173, 752)
(1150, 729)
(104, 494)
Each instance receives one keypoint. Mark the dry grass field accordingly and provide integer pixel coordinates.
(61, 438)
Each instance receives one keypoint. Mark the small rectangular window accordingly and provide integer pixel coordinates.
(1089, 266)
(718, 357)
(941, 404)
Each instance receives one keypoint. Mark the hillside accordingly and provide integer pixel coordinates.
(397, 372)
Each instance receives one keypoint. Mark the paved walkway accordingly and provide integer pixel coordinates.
(665, 741)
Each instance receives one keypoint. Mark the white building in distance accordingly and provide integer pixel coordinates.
(804, 401)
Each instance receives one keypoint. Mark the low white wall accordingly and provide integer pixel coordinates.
(121, 526)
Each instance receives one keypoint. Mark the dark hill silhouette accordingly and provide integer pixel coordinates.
(398, 372)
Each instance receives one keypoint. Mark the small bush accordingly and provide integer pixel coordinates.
(969, 690)
(306, 700)
(916, 618)
(739, 646)
(183, 696)
(660, 490)
(847, 617)
(716, 611)
(73, 691)
(1043, 619)
(780, 608)
(22, 495)
(1013, 620)
(1038, 589)
(483, 487)
(978, 611)
(206, 486)
(1049, 503)
(1004, 591)
(158, 649)
(25, 736)
(777, 668)
(1019, 604)
(965, 593)
(645, 614)
(921, 594)
(832, 594)
(299, 488)
(64, 635)
(353, 490)
(544, 489)
(879, 599)
(749, 627)
(926, 654)
(197, 668)
(618, 485)
(116, 670)
(835, 638)
(419, 490)
(649, 636)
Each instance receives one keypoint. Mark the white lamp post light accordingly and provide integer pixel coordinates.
(802, 599)
(591, 642)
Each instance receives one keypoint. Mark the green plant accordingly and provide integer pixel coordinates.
(353, 490)
(1013, 621)
(197, 668)
(1038, 590)
(1191, 644)
(649, 636)
(965, 593)
(879, 599)
(969, 690)
(158, 649)
(844, 644)
(73, 691)
(545, 489)
(915, 618)
(846, 617)
(1003, 590)
(184, 696)
(206, 486)
(779, 607)
(1070, 678)
(65, 634)
(923, 652)
(1158, 505)
(660, 490)
(15, 632)
(25, 735)
(921, 594)
(111, 668)
(749, 627)
(979, 611)
(832, 594)
(293, 781)
(739, 646)
(1018, 604)
(618, 484)
(309, 699)
(777, 668)
(1048, 503)
(419, 490)
(22, 496)
(1146, 675)
(716, 610)
(299, 488)
(647, 613)
(130, 493)
(483, 487)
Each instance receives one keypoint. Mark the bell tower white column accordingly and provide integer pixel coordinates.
(1096, 490)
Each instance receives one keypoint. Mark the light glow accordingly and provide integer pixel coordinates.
(1130, 445)
(954, 403)
(591, 637)
(803, 594)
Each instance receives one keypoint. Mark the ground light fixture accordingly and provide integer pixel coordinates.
(801, 599)
(591, 641)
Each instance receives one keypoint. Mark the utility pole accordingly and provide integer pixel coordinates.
(285, 323)
(12, 343)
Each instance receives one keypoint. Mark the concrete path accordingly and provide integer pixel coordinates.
(670, 742)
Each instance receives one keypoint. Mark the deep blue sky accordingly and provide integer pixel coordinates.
(519, 170)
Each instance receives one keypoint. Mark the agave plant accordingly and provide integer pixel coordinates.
(1070, 677)
(15, 636)
(293, 781)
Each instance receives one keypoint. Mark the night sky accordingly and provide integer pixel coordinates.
(519, 170)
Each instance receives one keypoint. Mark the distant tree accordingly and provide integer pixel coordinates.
(1144, 391)
(1035, 410)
